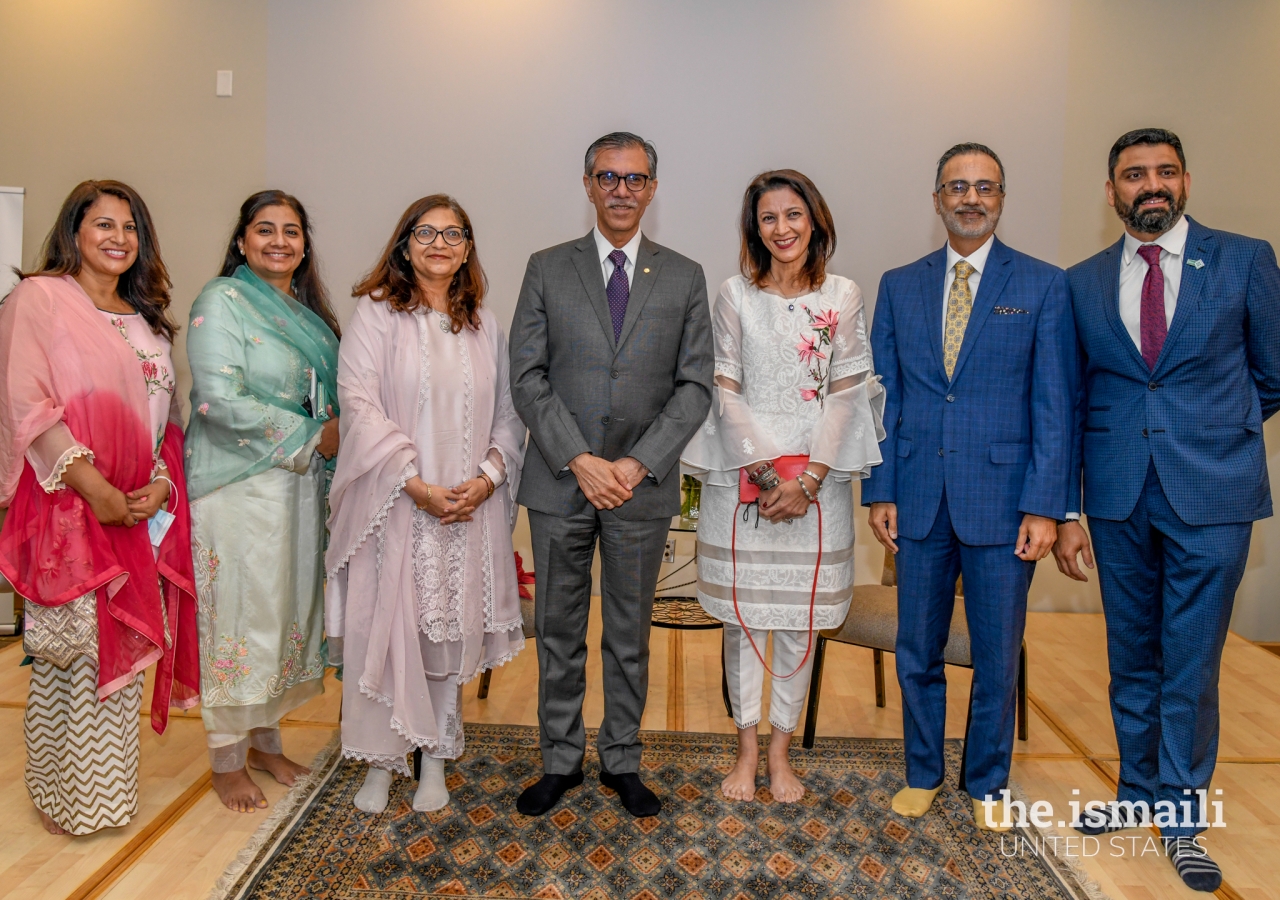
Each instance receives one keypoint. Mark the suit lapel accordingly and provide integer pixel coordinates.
(1110, 276)
(932, 279)
(1200, 245)
(648, 265)
(990, 287)
(587, 263)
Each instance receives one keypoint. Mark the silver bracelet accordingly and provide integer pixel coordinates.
(816, 480)
(805, 488)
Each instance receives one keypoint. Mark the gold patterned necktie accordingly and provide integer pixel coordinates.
(959, 305)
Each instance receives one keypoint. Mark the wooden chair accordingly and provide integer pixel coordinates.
(872, 622)
(526, 621)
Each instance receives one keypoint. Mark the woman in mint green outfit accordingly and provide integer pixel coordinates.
(263, 349)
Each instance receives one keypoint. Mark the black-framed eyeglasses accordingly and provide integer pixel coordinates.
(426, 235)
(609, 181)
(959, 188)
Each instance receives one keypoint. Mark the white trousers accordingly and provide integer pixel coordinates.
(745, 673)
(229, 751)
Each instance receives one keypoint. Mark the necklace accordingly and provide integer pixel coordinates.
(445, 324)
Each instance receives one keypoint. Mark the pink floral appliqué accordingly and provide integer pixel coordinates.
(810, 350)
(203, 409)
(197, 321)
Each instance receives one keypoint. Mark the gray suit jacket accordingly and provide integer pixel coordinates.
(580, 392)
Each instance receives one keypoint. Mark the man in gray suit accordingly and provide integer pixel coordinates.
(611, 368)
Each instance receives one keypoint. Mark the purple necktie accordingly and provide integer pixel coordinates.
(618, 291)
(1153, 327)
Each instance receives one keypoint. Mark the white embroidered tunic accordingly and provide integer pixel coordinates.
(785, 355)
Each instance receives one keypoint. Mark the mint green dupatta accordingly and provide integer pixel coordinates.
(253, 352)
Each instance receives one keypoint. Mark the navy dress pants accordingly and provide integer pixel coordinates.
(995, 602)
(1167, 591)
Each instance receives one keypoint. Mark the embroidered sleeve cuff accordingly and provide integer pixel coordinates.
(54, 481)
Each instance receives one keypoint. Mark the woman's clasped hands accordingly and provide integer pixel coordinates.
(449, 505)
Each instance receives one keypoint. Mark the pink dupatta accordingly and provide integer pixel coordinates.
(63, 362)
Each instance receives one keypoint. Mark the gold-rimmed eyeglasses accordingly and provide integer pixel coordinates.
(959, 188)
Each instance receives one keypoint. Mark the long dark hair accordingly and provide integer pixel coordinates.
(392, 278)
(754, 259)
(145, 286)
(308, 289)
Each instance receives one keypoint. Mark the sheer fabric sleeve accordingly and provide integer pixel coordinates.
(847, 434)
(505, 457)
(730, 438)
(52, 452)
(231, 416)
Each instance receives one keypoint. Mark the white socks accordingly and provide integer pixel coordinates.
(431, 794)
(372, 796)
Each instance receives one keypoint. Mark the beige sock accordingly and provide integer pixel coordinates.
(914, 802)
(999, 815)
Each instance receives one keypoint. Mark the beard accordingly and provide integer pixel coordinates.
(1151, 221)
(981, 228)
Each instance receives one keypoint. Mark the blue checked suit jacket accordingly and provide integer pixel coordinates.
(998, 435)
(1199, 414)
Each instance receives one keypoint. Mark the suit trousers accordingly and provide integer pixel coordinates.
(630, 558)
(995, 604)
(1167, 591)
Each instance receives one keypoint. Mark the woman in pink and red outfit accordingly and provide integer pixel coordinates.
(90, 453)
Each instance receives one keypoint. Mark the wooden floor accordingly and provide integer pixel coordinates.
(181, 839)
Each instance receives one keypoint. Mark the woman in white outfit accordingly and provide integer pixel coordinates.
(793, 378)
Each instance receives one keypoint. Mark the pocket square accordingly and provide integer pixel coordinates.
(1010, 311)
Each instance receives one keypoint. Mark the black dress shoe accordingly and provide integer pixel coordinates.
(540, 797)
(638, 799)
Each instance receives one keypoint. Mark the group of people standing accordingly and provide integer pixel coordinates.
(351, 502)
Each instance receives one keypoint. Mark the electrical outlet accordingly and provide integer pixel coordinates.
(669, 551)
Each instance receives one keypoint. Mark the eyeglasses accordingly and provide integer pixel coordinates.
(609, 181)
(960, 188)
(426, 235)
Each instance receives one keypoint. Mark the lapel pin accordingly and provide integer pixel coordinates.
(1193, 263)
(646, 271)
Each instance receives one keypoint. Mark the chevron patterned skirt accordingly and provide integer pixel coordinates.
(82, 755)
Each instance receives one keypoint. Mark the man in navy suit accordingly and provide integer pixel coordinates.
(977, 349)
(1179, 328)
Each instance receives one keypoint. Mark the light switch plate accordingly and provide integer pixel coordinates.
(669, 551)
(224, 83)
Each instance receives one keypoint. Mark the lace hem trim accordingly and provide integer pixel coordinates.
(387, 762)
(71, 454)
(374, 695)
(500, 661)
(449, 745)
(379, 518)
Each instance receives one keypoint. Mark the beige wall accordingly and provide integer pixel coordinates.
(1211, 73)
(125, 90)
(348, 105)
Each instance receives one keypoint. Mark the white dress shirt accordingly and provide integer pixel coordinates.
(1133, 271)
(977, 259)
(604, 248)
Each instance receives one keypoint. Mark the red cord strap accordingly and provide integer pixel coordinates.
(813, 594)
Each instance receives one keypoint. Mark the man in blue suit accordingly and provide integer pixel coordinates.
(1179, 329)
(977, 349)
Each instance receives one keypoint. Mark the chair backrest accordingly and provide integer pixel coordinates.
(889, 574)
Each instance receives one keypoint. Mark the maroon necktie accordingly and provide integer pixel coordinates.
(1153, 327)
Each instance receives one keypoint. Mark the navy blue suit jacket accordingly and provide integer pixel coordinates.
(1199, 414)
(997, 436)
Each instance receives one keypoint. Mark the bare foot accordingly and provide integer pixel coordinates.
(282, 769)
(49, 825)
(740, 784)
(783, 783)
(238, 792)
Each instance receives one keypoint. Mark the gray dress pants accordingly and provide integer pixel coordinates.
(630, 557)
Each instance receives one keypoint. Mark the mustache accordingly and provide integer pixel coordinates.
(1162, 194)
(980, 210)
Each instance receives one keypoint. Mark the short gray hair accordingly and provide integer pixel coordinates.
(620, 140)
(961, 150)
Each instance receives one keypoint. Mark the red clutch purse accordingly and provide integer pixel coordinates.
(787, 467)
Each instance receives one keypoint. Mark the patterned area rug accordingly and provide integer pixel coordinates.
(840, 841)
